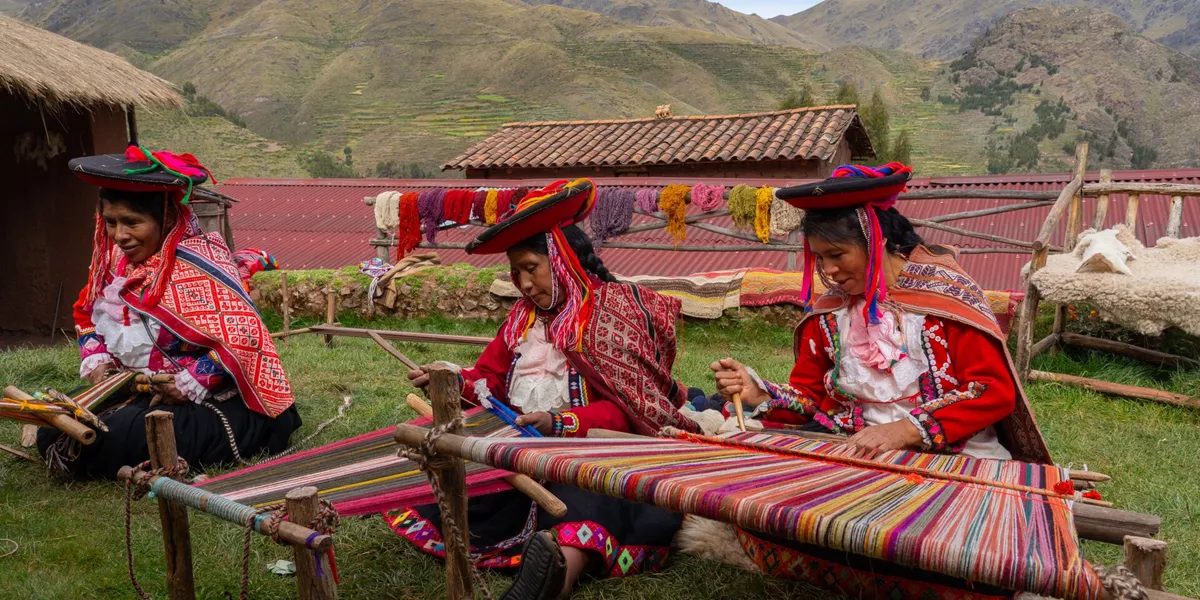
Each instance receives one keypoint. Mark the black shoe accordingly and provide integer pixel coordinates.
(543, 570)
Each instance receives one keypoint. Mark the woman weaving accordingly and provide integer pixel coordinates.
(902, 353)
(166, 300)
(578, 351)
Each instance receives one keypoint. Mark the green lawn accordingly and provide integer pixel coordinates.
(71, 535)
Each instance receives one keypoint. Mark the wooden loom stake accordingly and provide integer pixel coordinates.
(737, 407)
(522, 483)
(451, 474)
(1146, 559)
(177, 539)
(314, 574)
(78, 431)
(287, 306)
(329, 314)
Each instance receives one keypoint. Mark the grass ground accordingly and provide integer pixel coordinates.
(70, 534)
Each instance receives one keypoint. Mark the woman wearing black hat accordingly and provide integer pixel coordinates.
(578, 351)
(165, 299)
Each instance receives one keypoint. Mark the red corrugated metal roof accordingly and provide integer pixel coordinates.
(323, 223)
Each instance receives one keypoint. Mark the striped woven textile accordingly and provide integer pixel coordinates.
(987, 521)
(359, 475)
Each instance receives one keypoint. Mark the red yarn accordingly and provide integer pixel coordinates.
(408, 233)
(1065, 488)
(1092, 495)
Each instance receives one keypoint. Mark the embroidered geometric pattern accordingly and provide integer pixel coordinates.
(932, 432)
(619, 561)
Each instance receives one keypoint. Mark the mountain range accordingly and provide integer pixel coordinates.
(420, 80)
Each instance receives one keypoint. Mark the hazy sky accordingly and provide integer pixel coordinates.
(769, 8)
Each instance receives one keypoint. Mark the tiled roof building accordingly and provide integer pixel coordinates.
(800, 143)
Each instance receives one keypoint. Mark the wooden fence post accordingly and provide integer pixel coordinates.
(1131, 210)
(1175, 220)
(314, 574)
(1102, 201)
(1146, 559)
(330, 312)
(177, 539)
(444, 393)
(287, 305)
(1074, 222)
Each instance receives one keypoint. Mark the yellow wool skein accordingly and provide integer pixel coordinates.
(762, 213)
(489, 207)
(673, 202)
(743, 206)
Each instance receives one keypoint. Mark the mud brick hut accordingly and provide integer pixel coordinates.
(58, 100)
(804, 143)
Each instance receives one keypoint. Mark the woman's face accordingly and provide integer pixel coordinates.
(844, 263)
(137, 234)
(532, 275)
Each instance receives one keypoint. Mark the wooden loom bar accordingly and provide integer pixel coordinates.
(1102, 201)
(286, 334)
(1144, 354)
(1092, 522)
(402, 336)
(65, 423)
(1118, 389)
(177, 538)
(287, 304)
(314, 574)
(522, 483)
(451, 475)
(1146, 559)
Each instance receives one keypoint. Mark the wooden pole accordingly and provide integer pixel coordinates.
(1131, 210)
(1075, 212)
(793, 238)
(1048, 342)
(314, 575)
(984, 212)
(287, 304)
(1102, 201)
(451, 474)
(1025, 327)
(1146, 559)
(330, 308)
(65, 423)
(401, 336)
(737, 409)
(1126, 187)
(1175, 220)
(971, 234)
(522, 483)
(1143, 354)
(1118, 389)
(177, 539)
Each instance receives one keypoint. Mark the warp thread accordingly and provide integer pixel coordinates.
(762, 213)
(613, 213)
(479, 204)
(489, 207)
(408, 232)
(785, 218)
(707, 197)
(429, 206)
(743, 206)
(673, 203)
(647, 200)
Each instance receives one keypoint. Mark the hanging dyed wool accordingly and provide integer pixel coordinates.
(647, 200)
(508, 199)
(743, 206)
(478, 204)
(489, 207)
(386, 210)
(408, 233)
(429, 206)
(457, 206)
(673, 203)
(707, 197)
(613, 213)
(762, 213)
(785, 218)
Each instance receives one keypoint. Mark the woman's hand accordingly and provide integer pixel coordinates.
(897, 435)
(418, 378)
(541, 421)
(96, 375)
(732, 378)
(167, 393)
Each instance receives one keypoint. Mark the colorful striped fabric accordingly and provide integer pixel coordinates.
(975, 519)
(360, 475)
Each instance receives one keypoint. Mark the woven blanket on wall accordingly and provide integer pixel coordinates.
(989, 521)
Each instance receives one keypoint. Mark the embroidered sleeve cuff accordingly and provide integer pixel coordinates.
(196, 392)
(933, 434)
(783, 397)
(565, 423)
(92, 361)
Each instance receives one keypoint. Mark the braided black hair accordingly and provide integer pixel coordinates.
(151, 204)
(841, 225)
(580, 243)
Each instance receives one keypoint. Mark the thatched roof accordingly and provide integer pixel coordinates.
(42, 65)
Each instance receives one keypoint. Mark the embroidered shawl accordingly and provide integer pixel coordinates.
(936, 285)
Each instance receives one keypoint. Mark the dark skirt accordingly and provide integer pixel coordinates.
(854, 575)
(201, 437)
(624, 538)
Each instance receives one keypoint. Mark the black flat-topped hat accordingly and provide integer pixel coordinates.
(558, 205)
(139, 171)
